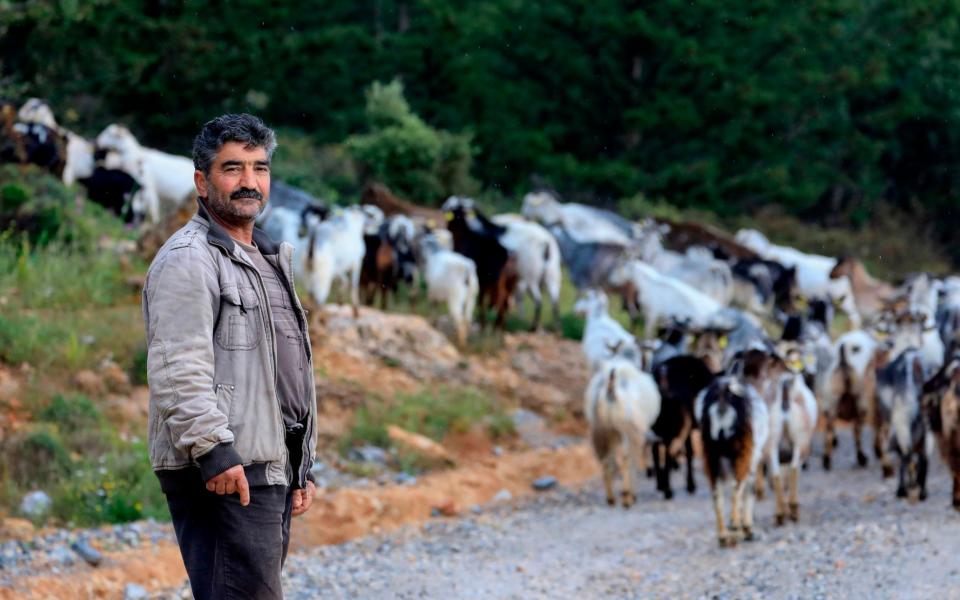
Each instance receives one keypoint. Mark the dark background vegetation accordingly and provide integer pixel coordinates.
(831, 109)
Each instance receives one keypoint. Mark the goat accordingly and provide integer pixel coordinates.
(759, 284)
(869, 294)
(335, 250)
(167, 179)
(942, 401)
(79, 153)
(117, 191)
(538, 262)
(496, 267)
(450, 278)
(661, 296)
(792, 409)
(621, 402)
(848, 393)
(734, 427)
(601, 332)
(584, 224)
(679, 379)
(899, 389)
(813, 271)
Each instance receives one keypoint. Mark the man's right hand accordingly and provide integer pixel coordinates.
(233, 480)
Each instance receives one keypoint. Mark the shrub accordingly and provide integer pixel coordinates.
(402, 151)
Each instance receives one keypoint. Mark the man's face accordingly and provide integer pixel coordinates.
(238, 185)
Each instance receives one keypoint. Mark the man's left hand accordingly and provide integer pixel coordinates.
(302, 499)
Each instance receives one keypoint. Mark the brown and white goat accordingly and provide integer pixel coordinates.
(942, 403)
(734, 427)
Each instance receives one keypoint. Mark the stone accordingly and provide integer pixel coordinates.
(132, 591)
(545, 483)
(89, 383)
(419, 444)
(87, 552)
(35, 504)
(503, 495)
(369, 454)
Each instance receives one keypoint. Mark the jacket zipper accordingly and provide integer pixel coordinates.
(273, 345)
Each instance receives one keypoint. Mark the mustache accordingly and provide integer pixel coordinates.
(246, 193)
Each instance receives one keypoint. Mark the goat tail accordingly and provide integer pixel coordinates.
(311, 242)
(785, 386)
(612, 386)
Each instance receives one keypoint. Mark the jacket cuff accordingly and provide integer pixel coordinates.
(311, 478)
(220, 458)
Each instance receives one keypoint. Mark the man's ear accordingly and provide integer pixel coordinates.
(201, 182)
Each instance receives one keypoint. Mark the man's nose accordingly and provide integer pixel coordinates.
(249, 178)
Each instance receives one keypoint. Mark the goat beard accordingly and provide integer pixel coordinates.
(230, 211)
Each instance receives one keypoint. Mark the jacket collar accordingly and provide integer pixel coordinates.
(218, 235)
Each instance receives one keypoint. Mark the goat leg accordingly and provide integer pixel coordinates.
(828, 440)
(794, 494)
(688, 446)
(857, 439)
(780, 514)
(723, 536)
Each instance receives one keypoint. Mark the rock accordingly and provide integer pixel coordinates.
(87, 552)
(62, 555)
(503, 495)
(476, 509)
(419, 444)
(132, 591)
(545, 483)
(89, 383)
(447, 508)
(17, 529)
(369, 454)
(35, 504)
(405, 479)
(114, 377)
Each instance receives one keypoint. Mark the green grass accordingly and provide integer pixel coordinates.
(433, 413)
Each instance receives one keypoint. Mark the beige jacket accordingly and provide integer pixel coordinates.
(211, 360)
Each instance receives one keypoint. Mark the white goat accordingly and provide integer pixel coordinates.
(451, 278)
(80, 163)
(167, 179)
(602, 335)
(335, 251)
(621, 403)
(793, 419)
(538, 261)
(664, 297)
(813, 271)
(848, 393)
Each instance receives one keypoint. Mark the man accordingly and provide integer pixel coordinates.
(229, 364)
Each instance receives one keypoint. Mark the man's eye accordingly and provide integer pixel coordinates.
(263, 169)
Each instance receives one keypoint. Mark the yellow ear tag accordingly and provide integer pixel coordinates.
(431, 223)
(723, 342)
(802, 302)
(796, 365)
(472, 214)
(448, 216)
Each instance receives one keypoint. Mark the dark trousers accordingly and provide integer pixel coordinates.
(233, 551)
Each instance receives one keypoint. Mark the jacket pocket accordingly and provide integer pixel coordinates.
(240, 325)
(224, 398)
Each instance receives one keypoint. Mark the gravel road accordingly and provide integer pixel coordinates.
(854, 540)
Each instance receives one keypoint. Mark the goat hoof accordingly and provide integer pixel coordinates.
(667, 494)
(956, 504)
(692, 489)
(649, 472)
(887, 471)
(923, 495)
(627, 499)
(835, 442)
(780, 520)
(760, 493)
(611, 501)
(826, 463)
(794, 512)
(728, 541)
(901, 492)
(861, 459)
(748, 535)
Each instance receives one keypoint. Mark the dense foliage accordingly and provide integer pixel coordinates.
(827, 107)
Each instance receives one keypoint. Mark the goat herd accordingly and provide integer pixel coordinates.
(705, 361)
